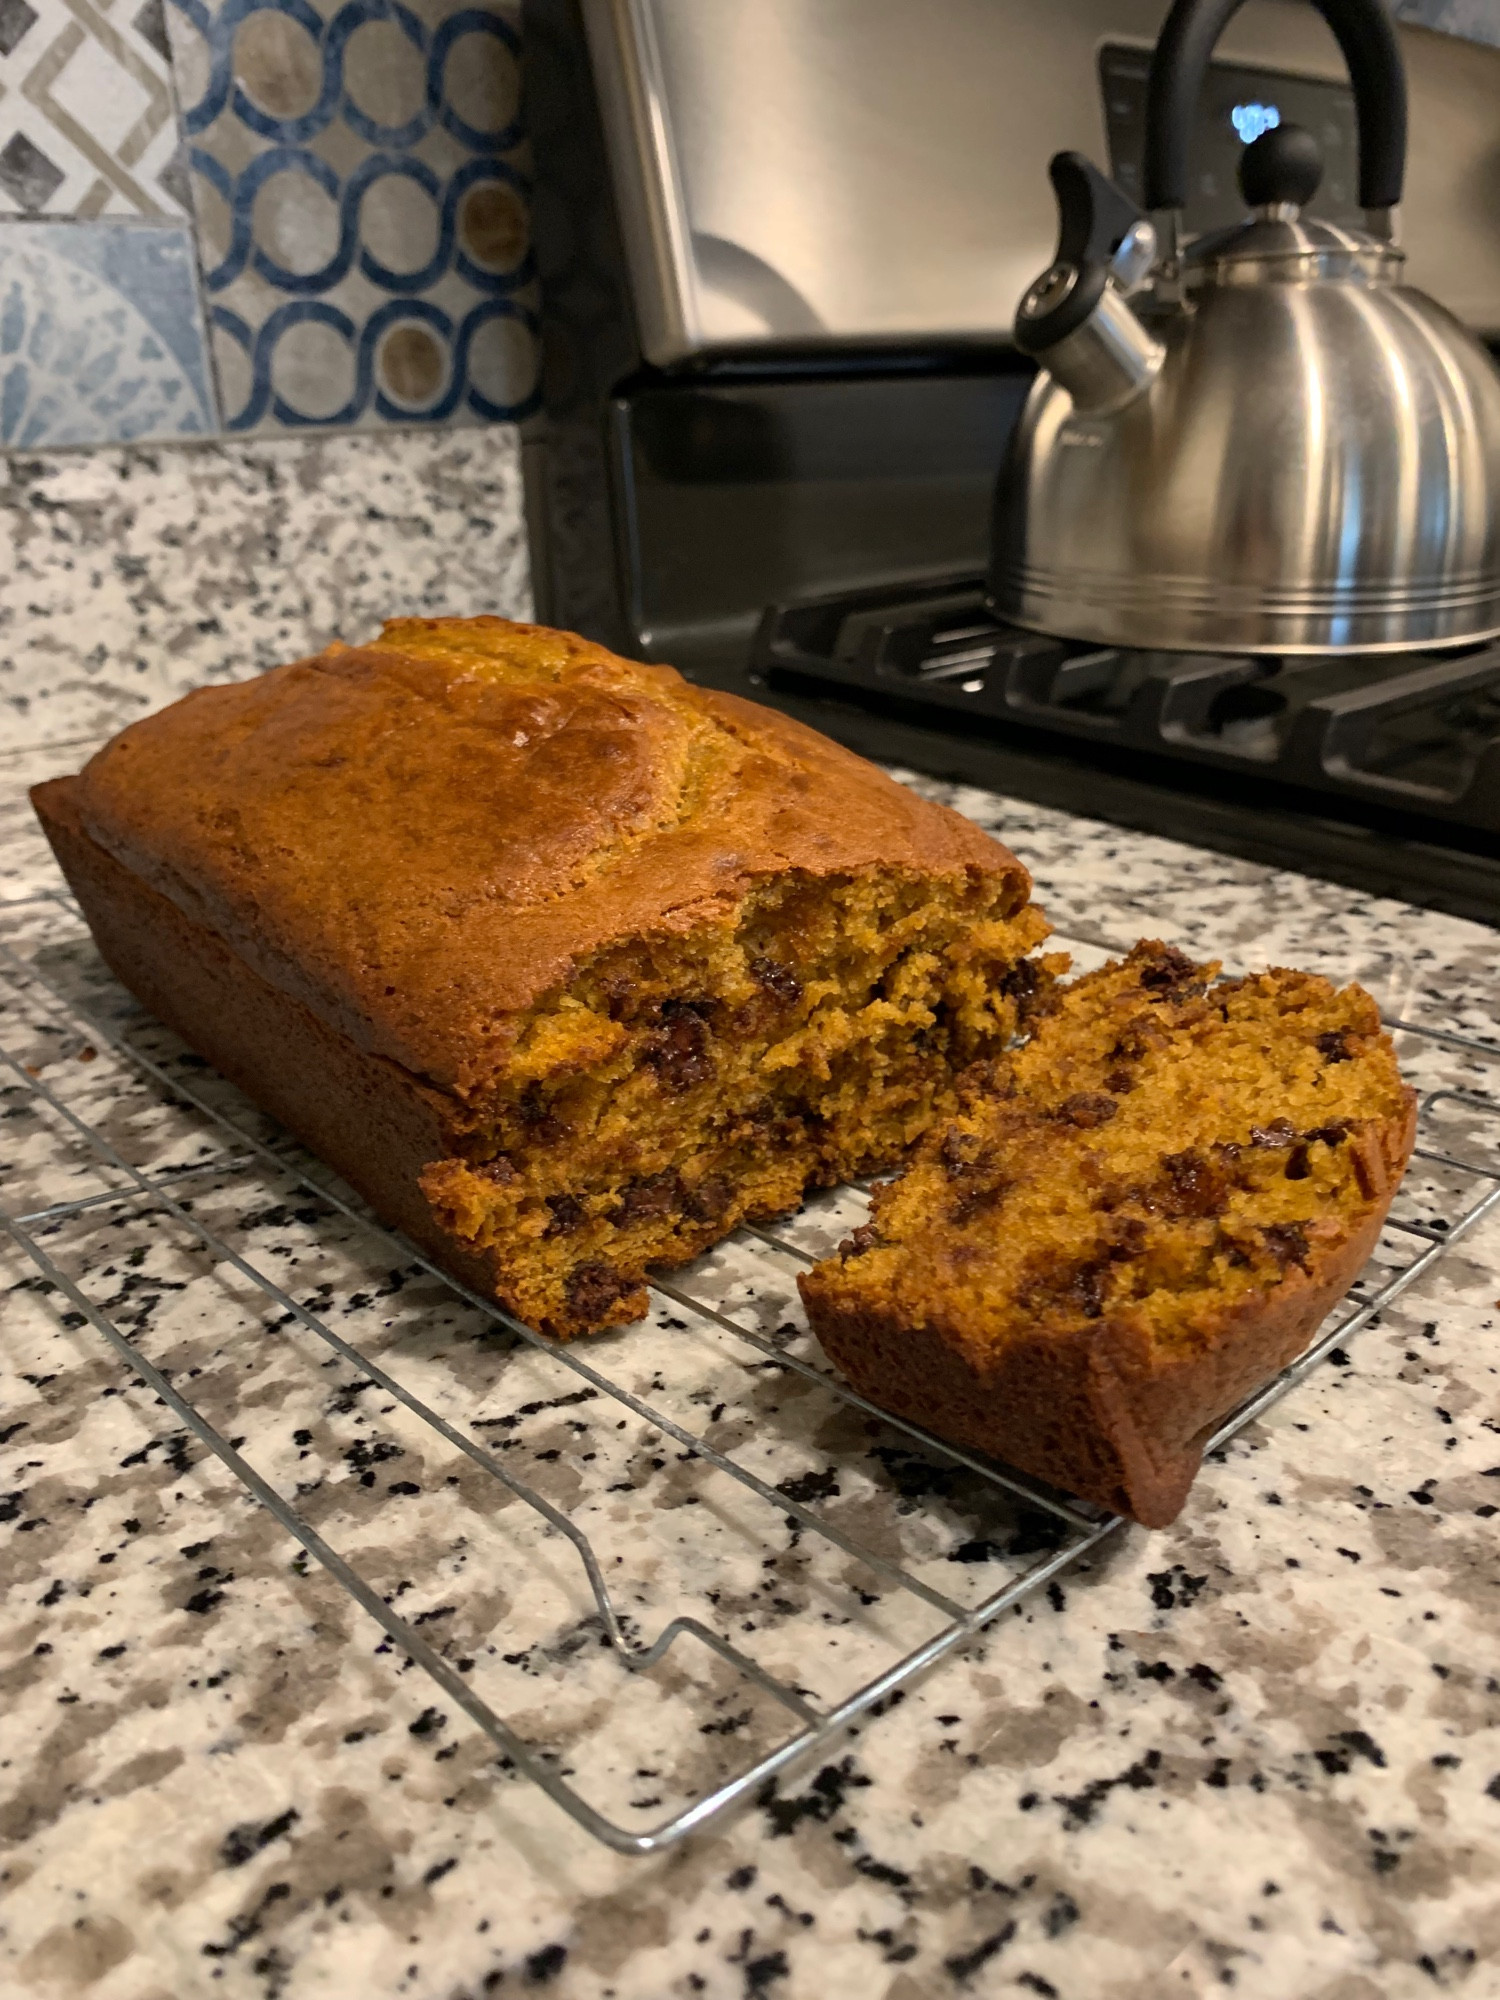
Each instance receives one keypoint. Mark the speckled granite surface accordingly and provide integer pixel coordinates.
(1258, 1753)
(129, 576)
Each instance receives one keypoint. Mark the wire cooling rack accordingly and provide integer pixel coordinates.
(655, 1568)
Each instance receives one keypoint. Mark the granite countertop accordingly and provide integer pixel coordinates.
(1256, 1753)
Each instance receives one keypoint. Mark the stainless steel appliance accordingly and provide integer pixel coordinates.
(781, 248)
(1269, 443)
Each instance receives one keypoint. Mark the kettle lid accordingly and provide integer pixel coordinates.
(1279, 173)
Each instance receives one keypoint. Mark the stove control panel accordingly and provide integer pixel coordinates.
(1239, 102)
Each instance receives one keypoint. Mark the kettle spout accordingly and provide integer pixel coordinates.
(1106, 360)
(1075, 321)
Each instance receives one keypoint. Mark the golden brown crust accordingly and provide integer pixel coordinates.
(366, 1115)
(420, 838)
(502, 927)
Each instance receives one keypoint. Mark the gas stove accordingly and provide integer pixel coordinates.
(1381, 769)
(779, 260)
(1415, 736)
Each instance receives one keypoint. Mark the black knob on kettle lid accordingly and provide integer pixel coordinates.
(1282, 165)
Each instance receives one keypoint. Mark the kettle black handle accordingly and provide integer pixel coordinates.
(1367, 36)
(1093, 216)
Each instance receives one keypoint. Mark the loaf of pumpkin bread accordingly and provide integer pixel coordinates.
(567, 965)
(1133, 1221)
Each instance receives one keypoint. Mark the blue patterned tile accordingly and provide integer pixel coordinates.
(362, 197)
(100, 335)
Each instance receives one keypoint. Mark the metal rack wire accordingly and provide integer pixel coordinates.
(869, 1611)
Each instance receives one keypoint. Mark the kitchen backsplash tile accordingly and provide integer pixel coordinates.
(87, 122)
(361, 193)
(357, 182)
(100, 335)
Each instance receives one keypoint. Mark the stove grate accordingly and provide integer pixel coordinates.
(1414, 733)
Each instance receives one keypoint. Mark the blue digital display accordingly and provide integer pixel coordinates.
(1250, 120)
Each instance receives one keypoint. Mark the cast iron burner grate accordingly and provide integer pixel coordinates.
(687, 1535)
(1414, 735)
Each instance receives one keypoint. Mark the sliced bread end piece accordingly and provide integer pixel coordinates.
(1131, 1223)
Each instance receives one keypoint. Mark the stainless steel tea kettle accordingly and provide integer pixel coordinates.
(1280, 448)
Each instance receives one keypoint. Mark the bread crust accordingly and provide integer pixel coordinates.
(377, 1124)
(419, 839)
(1094, 1410)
